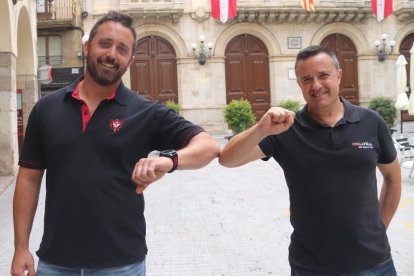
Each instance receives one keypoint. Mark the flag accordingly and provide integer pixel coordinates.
(381, 8)
(223, 10)
(308, 5)
(49, 74)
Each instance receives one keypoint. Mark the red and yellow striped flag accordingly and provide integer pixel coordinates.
(308, 5)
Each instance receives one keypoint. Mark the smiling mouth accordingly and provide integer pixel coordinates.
(319, 94)
(108, 65)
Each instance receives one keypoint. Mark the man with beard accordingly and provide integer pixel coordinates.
(93, 138)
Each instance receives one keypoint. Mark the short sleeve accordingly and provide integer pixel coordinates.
(174, 131)
(388, 153)
(32, 155)
(268, 147)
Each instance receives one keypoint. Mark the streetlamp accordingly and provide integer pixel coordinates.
(202, 54)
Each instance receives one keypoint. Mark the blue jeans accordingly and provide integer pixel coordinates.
(385, 268)
(46, 269)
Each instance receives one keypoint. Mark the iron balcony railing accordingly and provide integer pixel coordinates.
(56, 10)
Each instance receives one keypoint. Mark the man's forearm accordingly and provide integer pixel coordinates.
(25, 200)
(198, 153)
(237, 150)
(389, 200)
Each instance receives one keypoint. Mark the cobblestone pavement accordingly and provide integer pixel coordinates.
(218, 221)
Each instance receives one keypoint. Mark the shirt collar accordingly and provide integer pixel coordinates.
(119, 95)
(351, 114)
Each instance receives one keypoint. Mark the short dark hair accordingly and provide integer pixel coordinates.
(314, 50)
(117, 17)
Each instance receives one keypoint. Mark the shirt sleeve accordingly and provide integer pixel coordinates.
(32, 155)
(174, 131)
(388, 153)
(269, 147)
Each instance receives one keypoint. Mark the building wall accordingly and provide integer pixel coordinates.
(17, 71)
(202, 89)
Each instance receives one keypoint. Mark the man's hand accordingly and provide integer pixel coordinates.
(149, 170)
(244, 147)
(276, 120)
(22, 261)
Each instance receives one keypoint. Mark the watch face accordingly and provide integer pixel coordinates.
(173, 155)
(170, 153)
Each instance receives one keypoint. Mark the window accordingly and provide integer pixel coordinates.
(43, 6)
(44, 9)
(50, 50)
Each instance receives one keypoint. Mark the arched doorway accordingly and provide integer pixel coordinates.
(154, 73)
(346, 53)
(19, 82)
(405, 48)
(247, 72)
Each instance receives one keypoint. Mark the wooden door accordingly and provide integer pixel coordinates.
(247, 72)
(154, 72)
(346, 53)
(405, 48)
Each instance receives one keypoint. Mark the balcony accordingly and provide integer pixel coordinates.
(287, 11)
(55, 14)
(153, 10)
(327, 11)
(404, 10)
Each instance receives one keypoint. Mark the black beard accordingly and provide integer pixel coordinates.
(103, 77)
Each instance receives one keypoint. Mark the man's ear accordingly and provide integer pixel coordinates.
(86, 48)
(131, 60)
(339, 75)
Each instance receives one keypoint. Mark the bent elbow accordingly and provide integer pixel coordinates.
(225, 162)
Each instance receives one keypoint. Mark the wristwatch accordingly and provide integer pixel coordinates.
(170, 153)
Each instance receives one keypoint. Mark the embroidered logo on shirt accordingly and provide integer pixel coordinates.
(116, 124)
(363, 145)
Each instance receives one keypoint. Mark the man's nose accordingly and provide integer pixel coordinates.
(111, 51)
(316, 84)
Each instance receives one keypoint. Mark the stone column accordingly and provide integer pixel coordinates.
(202, 99)
(29, 85)
(8, 115)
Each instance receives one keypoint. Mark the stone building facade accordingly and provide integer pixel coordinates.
(18, 81)
(253, 54)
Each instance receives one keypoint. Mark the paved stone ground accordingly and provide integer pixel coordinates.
(218, 221)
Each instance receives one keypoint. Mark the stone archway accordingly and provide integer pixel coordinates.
(354, 34)
(18, 66)
(8, 121)
(26, 66)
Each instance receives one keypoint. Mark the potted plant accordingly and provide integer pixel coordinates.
(239, 116)
(174, 106)
(386, 108)
(291, 105)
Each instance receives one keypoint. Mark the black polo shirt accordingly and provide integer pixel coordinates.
(93, 217)
(331, 175)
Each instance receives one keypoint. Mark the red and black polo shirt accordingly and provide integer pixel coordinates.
(93, 217)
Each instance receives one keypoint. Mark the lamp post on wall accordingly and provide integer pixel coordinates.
(384, 47)
(202, 54)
